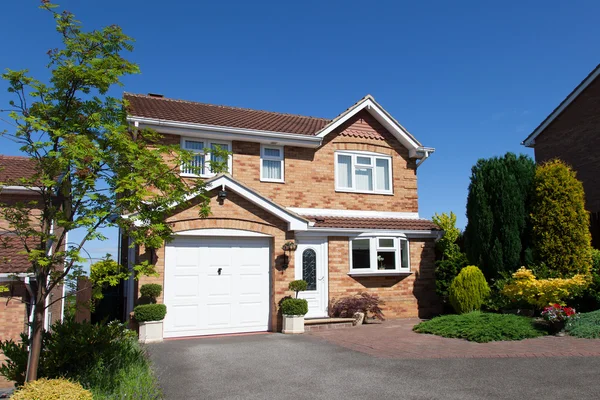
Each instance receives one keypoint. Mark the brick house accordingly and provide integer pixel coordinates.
(14, 308)
(571, 132)
(344, 190)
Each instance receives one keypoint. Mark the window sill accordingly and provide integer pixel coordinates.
(183, 175)
(363, 192)
(272, 181)
(380, 273)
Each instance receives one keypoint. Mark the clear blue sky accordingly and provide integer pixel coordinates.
(470, 78)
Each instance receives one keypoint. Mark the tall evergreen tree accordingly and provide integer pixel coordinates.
(497, 236)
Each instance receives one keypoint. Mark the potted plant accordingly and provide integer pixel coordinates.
(150, 315)
(294, 309)
(557, 317)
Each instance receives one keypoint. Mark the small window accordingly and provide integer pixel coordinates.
(271, 164)
(309, 268)
(202, 157)
(364, 173)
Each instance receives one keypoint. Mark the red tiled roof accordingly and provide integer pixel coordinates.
(373, 223)
(11, 262)
(12, 168)
(208, 114)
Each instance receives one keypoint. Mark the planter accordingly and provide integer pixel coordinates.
(151, 331)
(359, 318)
(557, 328)
(293, 324)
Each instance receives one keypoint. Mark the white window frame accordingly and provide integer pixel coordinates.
(401, 244)
(353, 165)
(207, 156)
(281, 159)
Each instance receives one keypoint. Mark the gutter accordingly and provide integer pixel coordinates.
(423, 154)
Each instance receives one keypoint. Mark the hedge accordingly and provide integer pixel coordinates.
(150, 312)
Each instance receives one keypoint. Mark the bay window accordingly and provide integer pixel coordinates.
(202, 156)
(379, 255)
(363, 172)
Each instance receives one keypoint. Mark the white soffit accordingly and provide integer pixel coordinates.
(327, 212)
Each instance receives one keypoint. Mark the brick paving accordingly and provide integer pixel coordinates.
(395, 339)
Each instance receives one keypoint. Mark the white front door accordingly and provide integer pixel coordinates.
(216, 285)
(311, 265)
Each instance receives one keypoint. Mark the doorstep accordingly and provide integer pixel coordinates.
(319, 324)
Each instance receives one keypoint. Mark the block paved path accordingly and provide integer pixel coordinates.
(395, 339)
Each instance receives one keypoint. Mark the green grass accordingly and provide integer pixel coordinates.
(136, 381)
(586, 326)
(481, 327)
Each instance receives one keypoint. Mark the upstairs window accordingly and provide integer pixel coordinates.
(271, 164)
(200, 164)
(363, 172)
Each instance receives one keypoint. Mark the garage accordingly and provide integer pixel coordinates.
(216, 285)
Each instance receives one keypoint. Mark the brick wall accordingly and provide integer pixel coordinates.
(405, 296)
(574, 137)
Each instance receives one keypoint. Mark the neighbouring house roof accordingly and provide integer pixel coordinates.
(209, 114)
(11, 259)
(530, 140)
(12, 168)
(372, 223)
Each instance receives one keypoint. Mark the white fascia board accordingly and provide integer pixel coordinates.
(20, 189)
(294, 222)
(530, 140)
(7, 277)
(212, 232)
(369, 233)
(381, 116)
(227, 133)
(329, 212)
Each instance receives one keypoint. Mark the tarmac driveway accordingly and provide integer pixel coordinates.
(276, 366)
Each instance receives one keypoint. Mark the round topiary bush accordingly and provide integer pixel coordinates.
(151, 290)
(150, 312)
(294, 307)
(298, 286)
(52, 389)
(468, 290)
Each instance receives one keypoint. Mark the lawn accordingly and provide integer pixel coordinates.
(482, 327)
(587, 326)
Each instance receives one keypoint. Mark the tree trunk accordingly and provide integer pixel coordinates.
(35, 346)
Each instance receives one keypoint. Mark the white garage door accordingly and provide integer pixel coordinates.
(216, 285)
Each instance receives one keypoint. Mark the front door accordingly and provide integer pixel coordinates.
(311, 265)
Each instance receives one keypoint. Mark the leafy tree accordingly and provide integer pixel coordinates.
(560, 223)
(91, 166)
(497, 236)
(449, 258)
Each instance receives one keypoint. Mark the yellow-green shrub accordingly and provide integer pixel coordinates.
(560, 223)
(543, 292)
(52, 389)
(468, 290)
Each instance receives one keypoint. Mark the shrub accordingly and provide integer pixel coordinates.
(150, 312)
(543, 292)
(560, 223)
(481, 327)
(587, 325)
(497, 235)
(590, 298)
(468, 290)
(298, 286)
(151, 290)
(52, 389)
(291, 306)
(366, 303)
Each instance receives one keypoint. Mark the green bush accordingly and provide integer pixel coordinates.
(481, 327)
(298, 286)
(586, 325)
(136, 381)
(560, 223)
(151, 290)
(150, 312)
(590, 299)
(52, 389)
(468, 290)
(291, 306)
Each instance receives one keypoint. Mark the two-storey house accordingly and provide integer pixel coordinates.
(343, 190)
